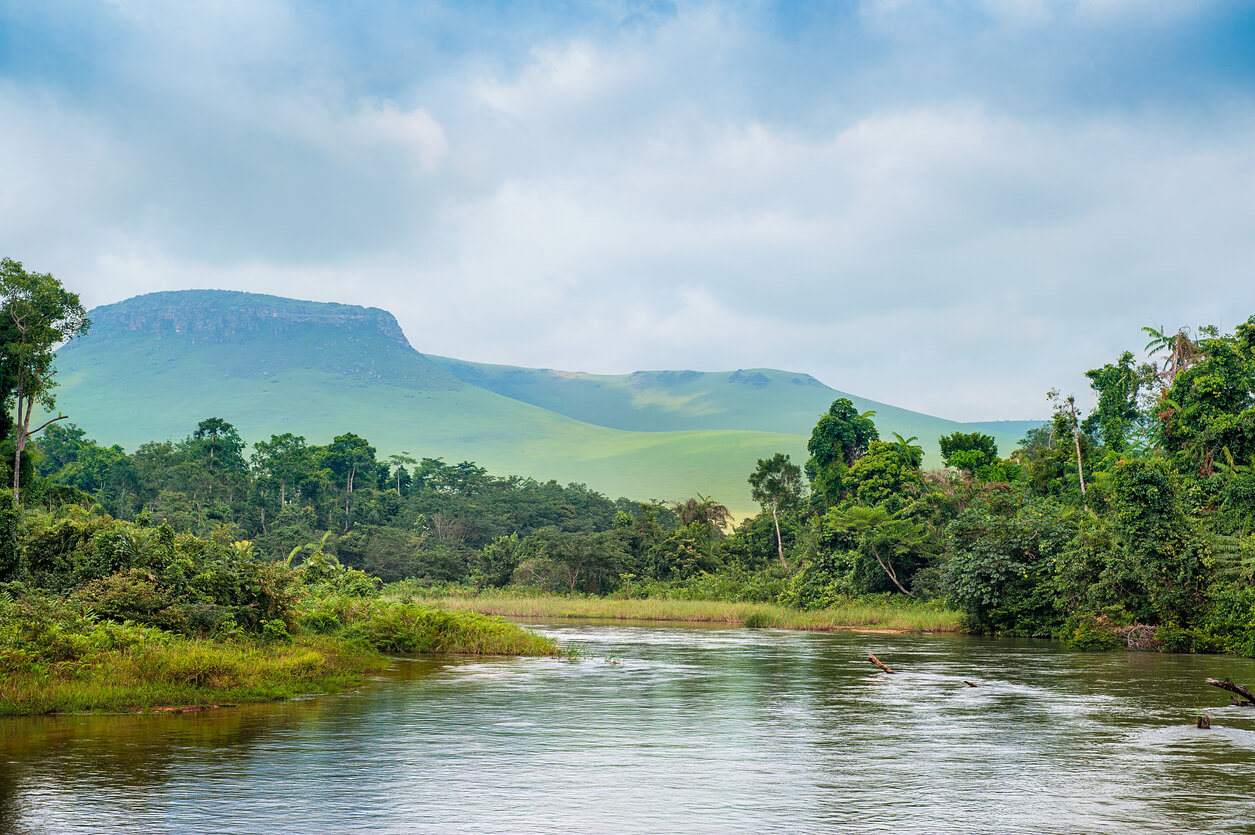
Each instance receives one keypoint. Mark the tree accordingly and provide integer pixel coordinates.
(282, 458)
(223, 444)
(1182, 352)
(1066, 419)
(777, 481)
(398, 463)
(970, 451)
(909, 449)
(346, 456)
(839, 439)
(887, 475)
(897, 545)
(1117, 387)
(704, 510)
(39, 315)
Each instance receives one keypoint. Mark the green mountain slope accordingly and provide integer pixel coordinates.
(761, 399)
(154, 365)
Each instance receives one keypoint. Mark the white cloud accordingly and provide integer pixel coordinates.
(628, 201)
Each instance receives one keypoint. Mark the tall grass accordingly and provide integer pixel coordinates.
(53, 658)
(922, 617)
(185, 672)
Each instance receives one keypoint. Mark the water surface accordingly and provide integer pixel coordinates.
(666, 729)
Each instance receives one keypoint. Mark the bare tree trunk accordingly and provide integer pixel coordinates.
(888, 570)
(779, 541)
(21, 434)
(1076, 437)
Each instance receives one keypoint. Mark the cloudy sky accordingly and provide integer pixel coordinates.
(947, 206)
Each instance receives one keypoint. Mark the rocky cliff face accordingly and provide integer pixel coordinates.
(184, 337)
(215, 317)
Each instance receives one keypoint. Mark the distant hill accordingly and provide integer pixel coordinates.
(154, 365)
(756, 399)
(1008, 428)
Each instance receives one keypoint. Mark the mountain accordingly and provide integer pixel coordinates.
(154, 365)
(761, 399)
(1012, 428)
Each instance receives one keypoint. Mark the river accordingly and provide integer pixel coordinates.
(676, 729)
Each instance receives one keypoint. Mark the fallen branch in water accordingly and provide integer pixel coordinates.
(878, 663)
(1234, 688)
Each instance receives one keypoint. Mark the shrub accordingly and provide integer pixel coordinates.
(1088, 631)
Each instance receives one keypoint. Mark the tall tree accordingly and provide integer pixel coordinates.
(223, 444)
(39, 314)
(1066, 419)
(777, 481)
(282, 458)
(839, 439)
(400, 473)
(1116, 413)
(346, 456)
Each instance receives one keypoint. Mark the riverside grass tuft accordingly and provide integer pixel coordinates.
(69, 663)
(854, 615)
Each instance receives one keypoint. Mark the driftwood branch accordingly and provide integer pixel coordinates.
(1233, 688)
(878, 663)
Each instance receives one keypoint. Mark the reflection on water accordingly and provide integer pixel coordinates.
(675, 729)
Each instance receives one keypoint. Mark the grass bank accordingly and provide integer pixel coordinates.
(185, 673)
(57, 658)
(854, 615)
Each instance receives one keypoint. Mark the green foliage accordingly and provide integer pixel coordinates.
(777, 483)
(1001, 565)
(840, 438)
(969, 451)
(1089, 631)
(1117, 416)
(887, 475)
(1160, 545)
(572, 561)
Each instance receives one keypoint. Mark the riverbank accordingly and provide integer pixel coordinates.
(865, 616)
(67, 663)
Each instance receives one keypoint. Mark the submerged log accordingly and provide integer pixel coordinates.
(1247, 695)
(878, 663)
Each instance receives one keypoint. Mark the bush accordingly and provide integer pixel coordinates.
(274, 632)
(320, 622)
(1088, 631)
(132, 596)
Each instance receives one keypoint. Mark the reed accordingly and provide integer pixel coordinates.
(855, 615)
(85, 666)
(186, 673)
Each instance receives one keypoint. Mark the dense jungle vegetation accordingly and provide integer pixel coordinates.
(1127, 526)
(103, 612)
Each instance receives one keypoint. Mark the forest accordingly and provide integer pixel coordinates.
(1127, 525)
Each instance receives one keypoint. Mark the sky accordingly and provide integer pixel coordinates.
(951, 207)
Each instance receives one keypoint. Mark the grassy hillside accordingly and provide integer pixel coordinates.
(760, 399)
(155, 365)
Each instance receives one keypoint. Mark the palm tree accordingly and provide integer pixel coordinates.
(909, 449)
(1182, 351)
(705, 510)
